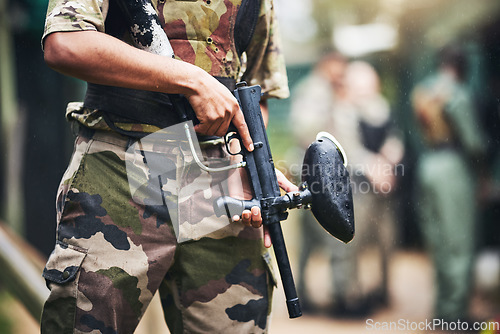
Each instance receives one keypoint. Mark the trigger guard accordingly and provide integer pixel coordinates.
(227, 140)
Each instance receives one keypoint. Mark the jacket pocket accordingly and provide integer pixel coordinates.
(64, 263)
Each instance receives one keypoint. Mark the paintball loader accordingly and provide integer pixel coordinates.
(325, 184)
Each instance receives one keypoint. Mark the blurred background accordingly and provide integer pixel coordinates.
(395, 264)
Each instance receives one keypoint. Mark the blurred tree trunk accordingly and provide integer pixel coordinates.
(21, 271)
(11, 129)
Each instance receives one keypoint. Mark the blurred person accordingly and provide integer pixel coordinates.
(375, 155)
(344, 99)
(453, 142)
(312, 101)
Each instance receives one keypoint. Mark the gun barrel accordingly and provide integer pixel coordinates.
(292, 300)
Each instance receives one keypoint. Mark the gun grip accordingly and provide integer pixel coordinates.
(229, 206)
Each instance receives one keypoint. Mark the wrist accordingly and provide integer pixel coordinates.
(189, 80)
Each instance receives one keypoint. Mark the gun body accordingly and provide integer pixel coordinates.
(325, 188)
(262, 177)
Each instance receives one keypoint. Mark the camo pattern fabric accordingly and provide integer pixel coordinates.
(201, 33)
(113, 252)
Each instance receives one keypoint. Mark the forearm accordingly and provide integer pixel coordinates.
(99, 58)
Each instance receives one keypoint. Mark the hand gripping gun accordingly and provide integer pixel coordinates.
(325, 189)
(325, 184)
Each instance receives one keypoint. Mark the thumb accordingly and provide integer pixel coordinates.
(284, 183)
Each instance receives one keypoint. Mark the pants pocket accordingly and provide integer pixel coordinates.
(63, 264)
(61, 274)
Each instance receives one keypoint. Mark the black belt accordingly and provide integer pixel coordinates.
(125, 105)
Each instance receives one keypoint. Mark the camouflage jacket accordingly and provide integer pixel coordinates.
(201, 33)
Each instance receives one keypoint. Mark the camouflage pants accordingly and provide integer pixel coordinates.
(112, 254)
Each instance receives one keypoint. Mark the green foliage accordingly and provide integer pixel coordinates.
(5, 321)
(280, 136)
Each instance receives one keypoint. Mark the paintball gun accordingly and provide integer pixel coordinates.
(325, 189)
(325, 184)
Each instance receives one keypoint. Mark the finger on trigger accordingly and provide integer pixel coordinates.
(241, 125)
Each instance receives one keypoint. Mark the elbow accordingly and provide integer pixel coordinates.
(57, 51)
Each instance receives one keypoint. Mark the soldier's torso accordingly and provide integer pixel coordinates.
(201, 33)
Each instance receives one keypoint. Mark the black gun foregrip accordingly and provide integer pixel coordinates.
(262, 176)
